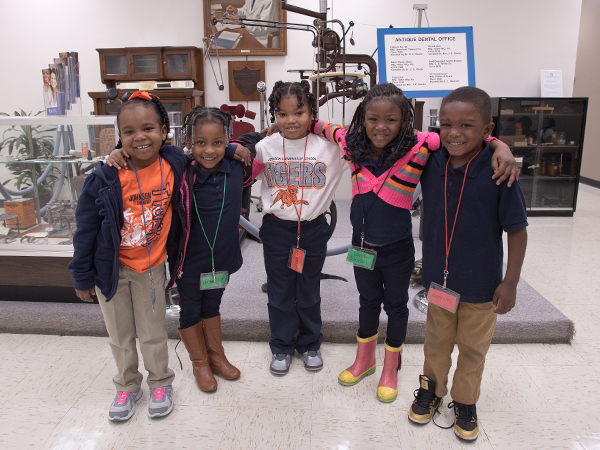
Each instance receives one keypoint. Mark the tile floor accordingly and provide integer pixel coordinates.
(57, 389)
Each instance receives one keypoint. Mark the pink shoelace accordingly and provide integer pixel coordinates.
(159, 393)
(123, 396)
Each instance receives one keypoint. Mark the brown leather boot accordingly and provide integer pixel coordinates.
(193, 339)
(216, 353)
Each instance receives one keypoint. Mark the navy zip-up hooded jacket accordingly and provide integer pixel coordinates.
(100, 218)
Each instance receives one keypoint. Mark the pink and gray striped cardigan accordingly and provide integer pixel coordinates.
(398, 188)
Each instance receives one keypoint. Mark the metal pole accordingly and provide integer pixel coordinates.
(261, 87)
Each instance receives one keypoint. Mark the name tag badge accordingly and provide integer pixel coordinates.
(361, 257)
(443, 297)
(296, 260)
(219, 281)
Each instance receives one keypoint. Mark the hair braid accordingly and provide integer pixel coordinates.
(202, 115)
(284, 89)
(156, 104)
(359, 144)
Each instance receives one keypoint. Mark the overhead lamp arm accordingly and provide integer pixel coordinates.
(265, 23)
(303, 11)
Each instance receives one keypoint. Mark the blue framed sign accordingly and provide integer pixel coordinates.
(426, 62)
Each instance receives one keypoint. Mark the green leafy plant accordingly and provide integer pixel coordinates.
(27, 141)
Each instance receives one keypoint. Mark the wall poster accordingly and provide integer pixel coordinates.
(426, 62)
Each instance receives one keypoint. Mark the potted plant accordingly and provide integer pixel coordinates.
(28, 141)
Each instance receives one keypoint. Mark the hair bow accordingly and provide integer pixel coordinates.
(142, 95)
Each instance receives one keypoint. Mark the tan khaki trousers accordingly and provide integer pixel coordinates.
(472, 328)
(129, 313)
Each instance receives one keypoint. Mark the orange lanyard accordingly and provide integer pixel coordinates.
(301, 183)
(449, 243)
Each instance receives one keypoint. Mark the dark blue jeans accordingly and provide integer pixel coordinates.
(294, 299)
(196, 304)
(386, 284)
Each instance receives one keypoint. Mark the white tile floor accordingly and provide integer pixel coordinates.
(57, 389)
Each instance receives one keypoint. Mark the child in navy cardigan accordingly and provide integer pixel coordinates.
(203, 241)
(206, 224)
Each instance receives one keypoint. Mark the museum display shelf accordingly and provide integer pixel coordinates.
(546, 136)
(43, 164)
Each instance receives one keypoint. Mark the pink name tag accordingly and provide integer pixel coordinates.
(443, 297)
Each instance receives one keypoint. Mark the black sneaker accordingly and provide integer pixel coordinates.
(426, 403)
(466, 426)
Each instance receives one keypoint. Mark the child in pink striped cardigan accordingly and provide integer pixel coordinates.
(387, 161)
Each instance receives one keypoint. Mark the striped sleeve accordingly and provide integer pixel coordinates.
(331, 132)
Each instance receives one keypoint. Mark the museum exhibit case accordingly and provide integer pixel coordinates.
(175, 74)
(546, 137)
(43, 165)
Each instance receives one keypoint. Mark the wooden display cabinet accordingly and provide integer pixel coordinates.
(151, 63)
(159, 64)
(174, 100)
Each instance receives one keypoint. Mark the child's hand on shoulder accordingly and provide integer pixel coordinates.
(504, 164)
(505, 297)
(272, 129)
(243, 154)
(117, 158)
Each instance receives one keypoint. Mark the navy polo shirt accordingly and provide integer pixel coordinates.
(384, 223)
(208, 190)
(476, 252)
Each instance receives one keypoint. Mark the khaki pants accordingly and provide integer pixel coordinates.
(472, 328)
(129, 313)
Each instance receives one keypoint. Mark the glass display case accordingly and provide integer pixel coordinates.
(546, 137)
(43, 164)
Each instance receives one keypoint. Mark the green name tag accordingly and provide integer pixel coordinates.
(361, 257)
(208, 281)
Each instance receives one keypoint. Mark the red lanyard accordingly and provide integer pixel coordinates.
(301, 183)
(449, 243)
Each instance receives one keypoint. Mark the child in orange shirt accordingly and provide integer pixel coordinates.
(123, 220)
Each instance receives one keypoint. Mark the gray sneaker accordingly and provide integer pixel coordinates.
(280, 364)
(123, 405)
(313, 361)
(161, 401)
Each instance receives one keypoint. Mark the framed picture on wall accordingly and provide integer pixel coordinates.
(255, 39)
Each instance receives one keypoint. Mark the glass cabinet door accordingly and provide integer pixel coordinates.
(547, 133)
(177, 64)
(116, 64)
(113, 65)
(146, 64)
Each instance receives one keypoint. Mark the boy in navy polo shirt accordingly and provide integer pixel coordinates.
(462, 257)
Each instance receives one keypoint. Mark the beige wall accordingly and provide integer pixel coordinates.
(586, 84)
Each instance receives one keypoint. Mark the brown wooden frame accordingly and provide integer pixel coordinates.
(248, 45)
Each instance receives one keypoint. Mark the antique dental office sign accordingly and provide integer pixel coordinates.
(426, 62)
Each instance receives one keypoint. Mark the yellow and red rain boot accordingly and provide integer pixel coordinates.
(387, 390)
(364, 364)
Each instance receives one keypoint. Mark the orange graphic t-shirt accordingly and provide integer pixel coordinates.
(133, 251)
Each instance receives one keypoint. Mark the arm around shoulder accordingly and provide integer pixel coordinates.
(330, 131)
(432, 140)
(503, 162)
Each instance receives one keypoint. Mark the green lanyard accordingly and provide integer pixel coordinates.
(218, 223)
